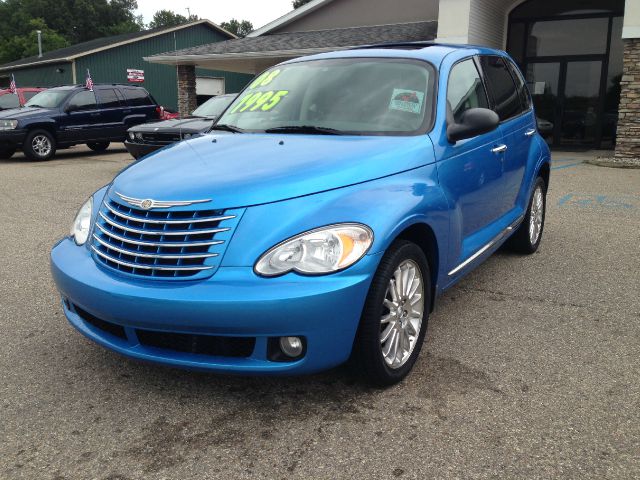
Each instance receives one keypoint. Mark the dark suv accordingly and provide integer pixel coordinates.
(65, 116)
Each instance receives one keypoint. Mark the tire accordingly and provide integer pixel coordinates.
(39, 145)
(98, 146)
(5, 154)
(527, 237)
(368, 359)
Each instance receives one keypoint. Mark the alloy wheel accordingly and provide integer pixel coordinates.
(41, 145)
(402, 315)
(536, 215)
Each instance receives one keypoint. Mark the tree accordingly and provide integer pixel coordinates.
(167, 18)
(62, 22)
(241, 28)
(299, 3)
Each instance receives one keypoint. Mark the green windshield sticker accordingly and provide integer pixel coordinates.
(259, 101)
(406, 100)
(264, 79)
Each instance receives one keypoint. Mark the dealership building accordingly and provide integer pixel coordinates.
(581, 58)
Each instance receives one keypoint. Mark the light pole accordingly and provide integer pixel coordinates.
(39, 32)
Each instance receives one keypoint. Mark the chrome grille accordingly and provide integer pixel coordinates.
(155, 243)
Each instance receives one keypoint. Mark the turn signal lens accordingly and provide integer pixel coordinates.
(320, 251)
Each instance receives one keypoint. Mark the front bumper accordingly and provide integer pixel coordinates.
(138, 150)
(11, 139)
(235, 302)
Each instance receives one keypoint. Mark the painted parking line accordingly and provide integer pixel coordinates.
(559, 167)
(589, 200)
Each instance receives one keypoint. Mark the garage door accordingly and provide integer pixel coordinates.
(209, 86)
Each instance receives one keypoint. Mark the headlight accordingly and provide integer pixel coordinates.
(186, 136)
(132, 136)
(324, 250)
(8, 124)
(82, 223)
(138, 135)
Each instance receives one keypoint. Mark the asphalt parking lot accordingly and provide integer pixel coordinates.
(531, 367)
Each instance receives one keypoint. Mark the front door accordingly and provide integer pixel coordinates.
(568, 101)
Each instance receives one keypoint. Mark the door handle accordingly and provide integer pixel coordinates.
(499, 149)
(530, 132)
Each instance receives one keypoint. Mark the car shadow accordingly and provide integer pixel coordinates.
(67, 154)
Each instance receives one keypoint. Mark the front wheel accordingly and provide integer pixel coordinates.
(39, 145)
(98, 146)
(527, 237)
(394, 319)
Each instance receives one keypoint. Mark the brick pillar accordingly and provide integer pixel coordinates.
(187, 101)
(628, 136)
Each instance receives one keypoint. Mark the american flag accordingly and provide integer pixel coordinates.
(12, 85)
(89, 82)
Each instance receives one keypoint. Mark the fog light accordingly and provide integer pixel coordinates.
(291, 346)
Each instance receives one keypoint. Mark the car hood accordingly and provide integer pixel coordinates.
(190, 125)
(238, 170)
(24, 113)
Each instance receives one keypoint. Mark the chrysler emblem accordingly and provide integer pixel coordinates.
(148, 203)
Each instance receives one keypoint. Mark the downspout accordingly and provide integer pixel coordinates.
(73, 72)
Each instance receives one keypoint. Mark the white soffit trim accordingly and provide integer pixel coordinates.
(290, 17)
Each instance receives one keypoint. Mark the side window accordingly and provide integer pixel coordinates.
(465, 89)
(108, 98)
(506, 101)
(29, 95)
(523, 91)
(137, 97)
(84, 100)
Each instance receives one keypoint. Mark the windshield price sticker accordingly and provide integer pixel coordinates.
(265, 79)
(259, 101)
(406, 100)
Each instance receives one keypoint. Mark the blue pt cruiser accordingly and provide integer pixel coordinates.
(337, 197)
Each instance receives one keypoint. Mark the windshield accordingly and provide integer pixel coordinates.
(213, 107)
(354, 95)
(48, 99)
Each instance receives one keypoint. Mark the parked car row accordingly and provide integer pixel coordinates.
(39, 121)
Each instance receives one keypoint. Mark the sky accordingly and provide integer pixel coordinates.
(258, 12)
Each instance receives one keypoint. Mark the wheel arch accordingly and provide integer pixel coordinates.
(424, 237)
(544, 171)
(48, 127)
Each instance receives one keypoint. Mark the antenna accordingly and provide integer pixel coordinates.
(188, 13)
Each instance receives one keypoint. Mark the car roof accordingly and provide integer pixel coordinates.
(430, 51)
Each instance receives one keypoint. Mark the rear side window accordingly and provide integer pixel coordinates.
(108, 98)
(465, 89)
(137, 97)
(29, 95)
(84, 100)
(9, 100)
(521, 87)
(506, 101)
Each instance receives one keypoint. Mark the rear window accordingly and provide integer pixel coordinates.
(506, 101)
(137, 97)
(9, 100)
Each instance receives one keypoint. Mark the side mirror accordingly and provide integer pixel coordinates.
(474, 121)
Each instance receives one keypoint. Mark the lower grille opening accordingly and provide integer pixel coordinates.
(200, 344)
(112, 328)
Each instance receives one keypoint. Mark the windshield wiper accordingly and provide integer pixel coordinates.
(228, 128)
(305, 129)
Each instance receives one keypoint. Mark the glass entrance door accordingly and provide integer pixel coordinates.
(567, 98)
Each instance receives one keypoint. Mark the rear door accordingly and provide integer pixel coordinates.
(510, 100)
(82, 121)
(113, 113)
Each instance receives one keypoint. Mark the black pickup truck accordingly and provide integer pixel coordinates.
(65, 116)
